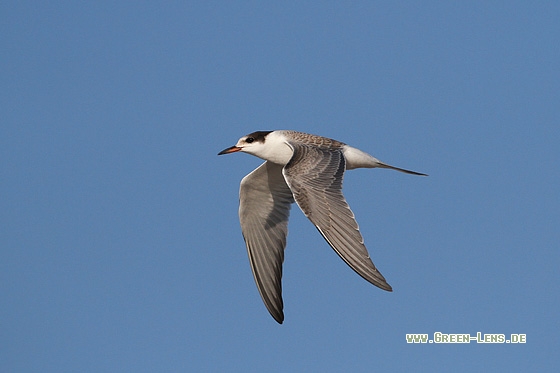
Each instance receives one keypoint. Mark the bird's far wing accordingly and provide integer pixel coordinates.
(264, 209)
(315, 177)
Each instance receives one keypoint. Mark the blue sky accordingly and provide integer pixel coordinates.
(120, 244)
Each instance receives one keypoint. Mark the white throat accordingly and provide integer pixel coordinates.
(275, 149)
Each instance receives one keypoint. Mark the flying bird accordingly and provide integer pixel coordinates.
(308, 170)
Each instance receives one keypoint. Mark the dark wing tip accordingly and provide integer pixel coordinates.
(278, 316)
(408, 171)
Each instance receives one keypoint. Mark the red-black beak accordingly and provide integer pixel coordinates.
(231, 149)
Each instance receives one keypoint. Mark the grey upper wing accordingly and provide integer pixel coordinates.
(315, 177)
(264, 209)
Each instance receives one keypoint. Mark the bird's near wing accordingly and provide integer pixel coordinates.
(315, 177)
(264, 209)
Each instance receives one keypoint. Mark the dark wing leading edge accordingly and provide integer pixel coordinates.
(264, 209)
(315, 177)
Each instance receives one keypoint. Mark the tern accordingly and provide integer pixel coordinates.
(308, 170)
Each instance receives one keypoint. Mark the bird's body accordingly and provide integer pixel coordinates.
(306, 169)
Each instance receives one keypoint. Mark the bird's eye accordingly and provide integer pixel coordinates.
(249, 140)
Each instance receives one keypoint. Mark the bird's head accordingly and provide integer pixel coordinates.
(253, 143)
